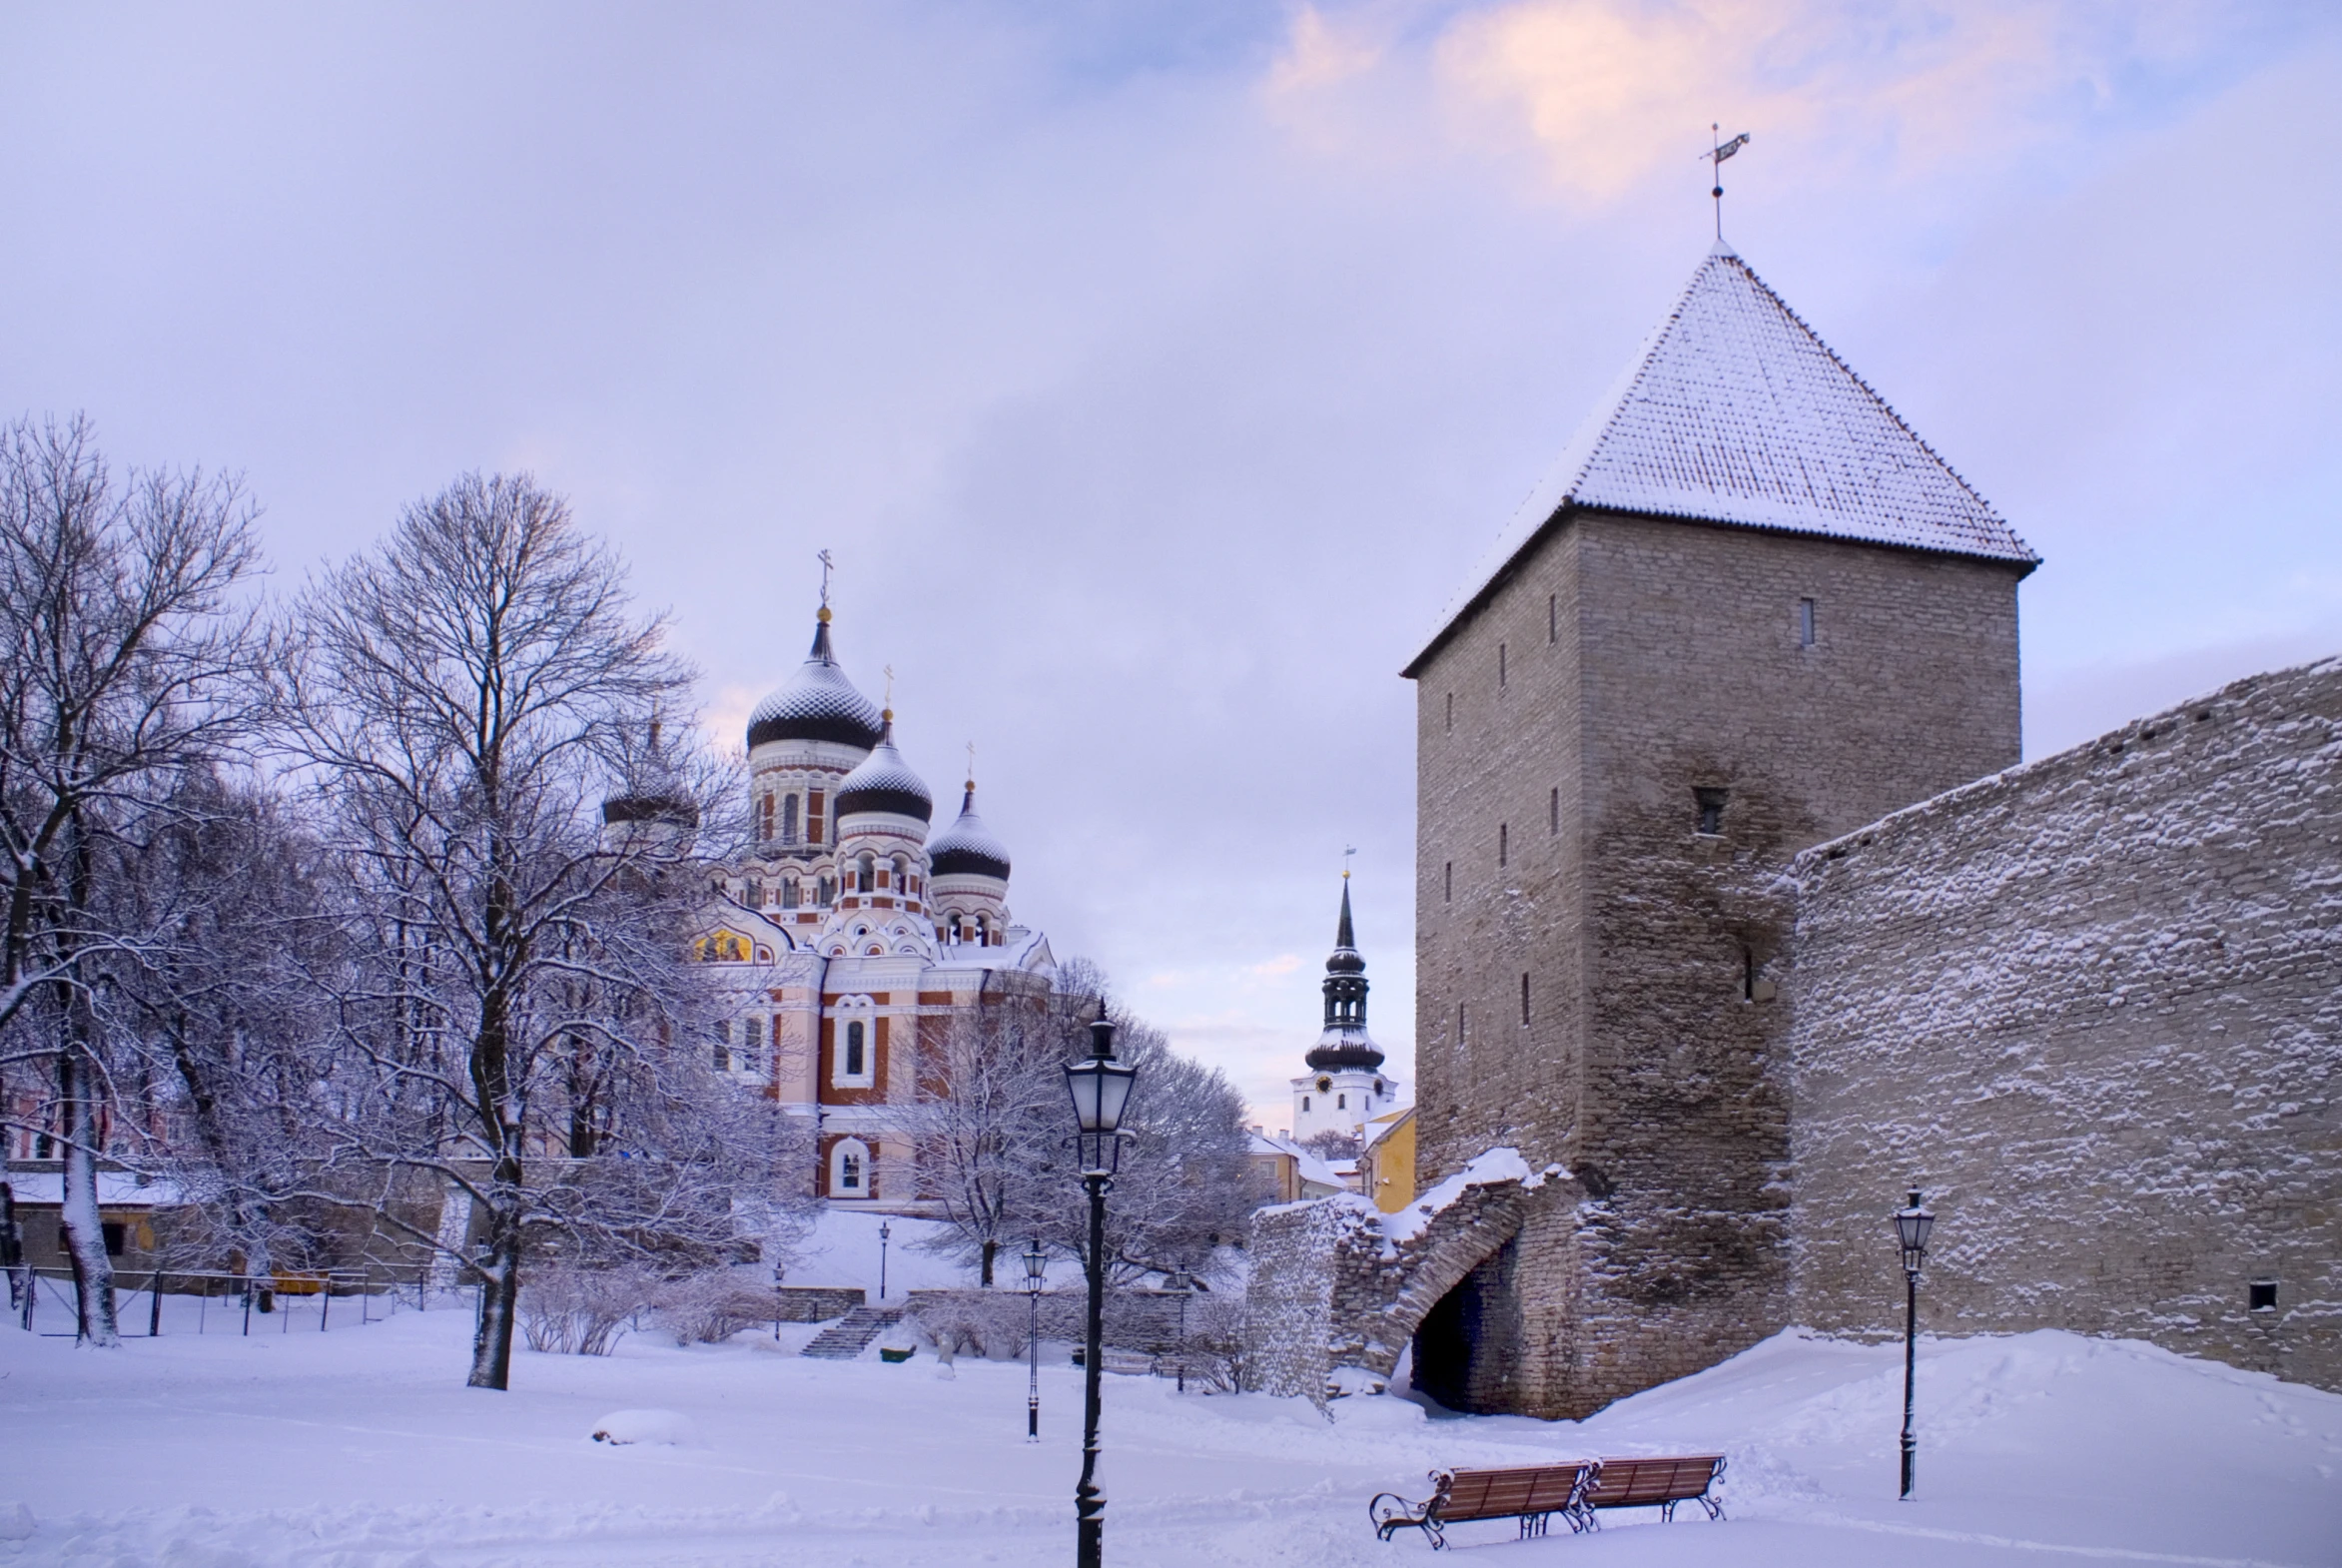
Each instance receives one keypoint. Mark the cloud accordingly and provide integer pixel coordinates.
(1282, 964)
(1605, 97)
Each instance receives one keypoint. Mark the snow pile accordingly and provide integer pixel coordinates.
(1497, 1164)
(16, 1522)
(360, 1447)
(672, 1428)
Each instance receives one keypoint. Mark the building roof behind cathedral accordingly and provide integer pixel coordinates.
(1735, 412)
(817, 703)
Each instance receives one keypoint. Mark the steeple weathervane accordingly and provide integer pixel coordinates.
(1718, 151)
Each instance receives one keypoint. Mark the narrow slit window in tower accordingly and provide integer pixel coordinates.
(1553, 811)
(1503, 844)
(1804, 623)
(1711, 801)
(1552, 618)
(789, 819)
(1447, 883)
(1524, 1002)
(1451, 711)
(1500, 666)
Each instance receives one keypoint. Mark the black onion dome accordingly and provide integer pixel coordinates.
(817, 703)
(883, 781)
(966, 848)
(651, 791)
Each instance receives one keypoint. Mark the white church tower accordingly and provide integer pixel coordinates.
(1345, 1085)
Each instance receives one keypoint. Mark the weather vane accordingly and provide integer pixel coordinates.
(1348, 851)
(970, 764)
(826, 566)
(1718, 151)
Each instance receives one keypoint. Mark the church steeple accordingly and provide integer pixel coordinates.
(1345, 1042)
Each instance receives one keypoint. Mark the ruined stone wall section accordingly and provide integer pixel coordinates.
(1296, 1249)
(1335, 1297)
(2092, 1007)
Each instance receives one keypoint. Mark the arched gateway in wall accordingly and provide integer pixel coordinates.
(1339, 1289)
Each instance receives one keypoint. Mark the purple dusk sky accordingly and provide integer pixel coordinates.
(1155, 370)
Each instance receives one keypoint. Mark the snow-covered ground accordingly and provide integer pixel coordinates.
(358, 1448)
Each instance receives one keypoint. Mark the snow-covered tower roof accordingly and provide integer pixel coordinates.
(1344, 1042)
(884, 782)
(817, 703)
(1735, 412)
(968, 847)
(651, 791)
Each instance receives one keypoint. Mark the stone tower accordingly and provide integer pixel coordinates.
(1750, 610)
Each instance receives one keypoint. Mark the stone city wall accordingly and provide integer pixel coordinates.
(2092, 1007)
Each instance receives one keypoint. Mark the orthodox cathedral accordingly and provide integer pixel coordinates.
(1345, 1087)
(858, 934)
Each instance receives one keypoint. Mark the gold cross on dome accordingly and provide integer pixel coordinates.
(827, 565)
(890, 675)
(970, 764)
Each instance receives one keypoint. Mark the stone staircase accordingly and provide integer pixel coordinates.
(850, 1335)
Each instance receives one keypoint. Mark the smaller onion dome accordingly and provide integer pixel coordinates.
(966, 848)
(883, 781)
(651, 791)
(817, 703)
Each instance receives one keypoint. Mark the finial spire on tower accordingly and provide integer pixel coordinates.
(827, 565)
(1718, 151)
(888, 711)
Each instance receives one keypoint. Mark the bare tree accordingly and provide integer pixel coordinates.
(997, 1125)
(468, 690)
(989, 1116)
(128, 658)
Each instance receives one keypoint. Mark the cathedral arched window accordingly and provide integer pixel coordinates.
(828, 891)
(789, 893)
(850, 1174)
(866, 872)
(902, 874)
(983, 932)
(789, 819)
(854, 1037)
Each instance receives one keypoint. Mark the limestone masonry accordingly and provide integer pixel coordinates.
(2093, 1007)
(2089, 1005)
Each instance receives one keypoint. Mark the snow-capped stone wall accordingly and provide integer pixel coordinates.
(2092, 1007)
(1339, 1287)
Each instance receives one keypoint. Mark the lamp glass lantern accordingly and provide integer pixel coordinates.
(1912, 1225)
(1036, 1267)
(1100, 1088)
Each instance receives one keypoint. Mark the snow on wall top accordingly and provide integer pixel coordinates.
(1735, 412)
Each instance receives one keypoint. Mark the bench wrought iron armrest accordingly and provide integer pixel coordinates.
(1392, 1513)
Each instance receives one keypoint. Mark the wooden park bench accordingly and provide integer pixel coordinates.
(1650, 1484)
(1532, 1493)
(1574, 1488)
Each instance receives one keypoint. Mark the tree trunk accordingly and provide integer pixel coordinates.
(12, 1252)
(990, 1248)
(85, 1232)
(499, 1300)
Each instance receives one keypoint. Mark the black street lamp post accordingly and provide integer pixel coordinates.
(1036, 1274)
(1912, 1225)
(1101, 1088)
(1184, 1283)
(883, 1231)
